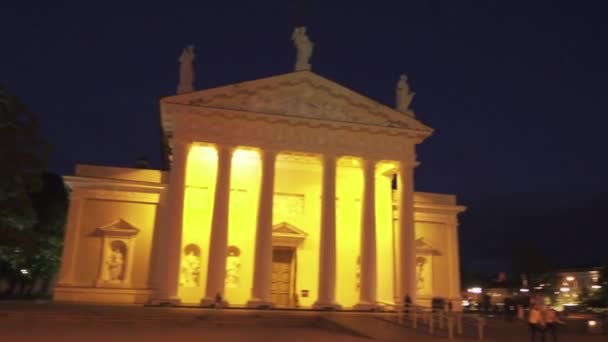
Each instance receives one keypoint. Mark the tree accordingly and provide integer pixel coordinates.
(38, 257)
(22, 159)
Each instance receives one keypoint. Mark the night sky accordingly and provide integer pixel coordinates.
(516, 91)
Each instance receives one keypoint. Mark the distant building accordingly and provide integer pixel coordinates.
(574, 285)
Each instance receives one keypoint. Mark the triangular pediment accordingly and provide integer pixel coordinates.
(285, 228)
(423, 247)
(118, 227)
(301, 94)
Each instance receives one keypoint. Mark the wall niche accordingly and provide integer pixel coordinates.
(117, 249)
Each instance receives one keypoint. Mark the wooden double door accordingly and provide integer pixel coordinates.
(283, 277)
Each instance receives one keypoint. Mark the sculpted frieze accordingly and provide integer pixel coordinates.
(303, 97)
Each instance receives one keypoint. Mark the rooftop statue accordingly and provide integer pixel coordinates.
(404, 95)
(186, 71)
(304, 48)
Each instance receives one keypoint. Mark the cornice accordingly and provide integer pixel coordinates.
(297, 121)
(438, 208)
(118, 190)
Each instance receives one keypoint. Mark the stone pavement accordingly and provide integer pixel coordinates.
(28, 321)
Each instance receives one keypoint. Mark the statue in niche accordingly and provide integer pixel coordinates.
(115, 263)
(304, 48)
(191, 266)
(404, 95)
(186, 71)
(420, 279)
(233, 267)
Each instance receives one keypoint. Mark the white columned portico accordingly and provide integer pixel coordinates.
(367, 290)
(262, 274)
(168, 284)
(218, 244)
(407, 237)
(327, 253)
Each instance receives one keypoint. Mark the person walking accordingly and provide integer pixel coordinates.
(552, 320)
(535, 319)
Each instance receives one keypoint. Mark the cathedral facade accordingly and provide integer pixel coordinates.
(286, 191)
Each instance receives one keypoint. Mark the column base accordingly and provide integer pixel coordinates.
(363, 306)
(259, 304)
(326, 306)
(169, 301)
(211, 303)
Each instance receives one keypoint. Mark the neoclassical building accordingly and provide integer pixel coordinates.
(286, 191)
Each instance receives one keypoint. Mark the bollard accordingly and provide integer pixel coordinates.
(451, 327)
(415, 319)
(480, 323)
(459, 323)
(431, 325)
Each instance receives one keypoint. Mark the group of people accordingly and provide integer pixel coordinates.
(543, 319)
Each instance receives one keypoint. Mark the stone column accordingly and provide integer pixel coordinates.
(66, 276)
(454, 268)
(177, 188)
(407, 240)
(218, 244)
(327, 253)
(367, 290)
(262, 274)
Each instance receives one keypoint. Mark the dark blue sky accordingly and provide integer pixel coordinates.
(516, 90)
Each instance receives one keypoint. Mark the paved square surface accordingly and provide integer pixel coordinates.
(27, 321)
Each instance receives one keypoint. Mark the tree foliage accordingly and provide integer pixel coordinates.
(22, 159)
(32, 205)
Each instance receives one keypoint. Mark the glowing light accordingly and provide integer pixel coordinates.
(465, 302)
(475, 290)
(596, 286)
(570, 278)
(557, 292)
(24, 271)
(524, 290)
(242, 155)
(565, 289)
(591, 323)
(538, 287)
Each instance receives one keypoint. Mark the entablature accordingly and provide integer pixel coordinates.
(283, 133)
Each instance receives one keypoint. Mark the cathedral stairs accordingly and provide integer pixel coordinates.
(28, 313)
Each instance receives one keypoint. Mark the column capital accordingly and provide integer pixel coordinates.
(226, 148)
(369, 162)
(268, 151)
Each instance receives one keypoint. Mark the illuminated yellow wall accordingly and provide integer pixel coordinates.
(198, 208)
(349, 187)
(297, 201)
(198, 211)
(435, 234)
(102, 212)
(384, 240)
(244, 197)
